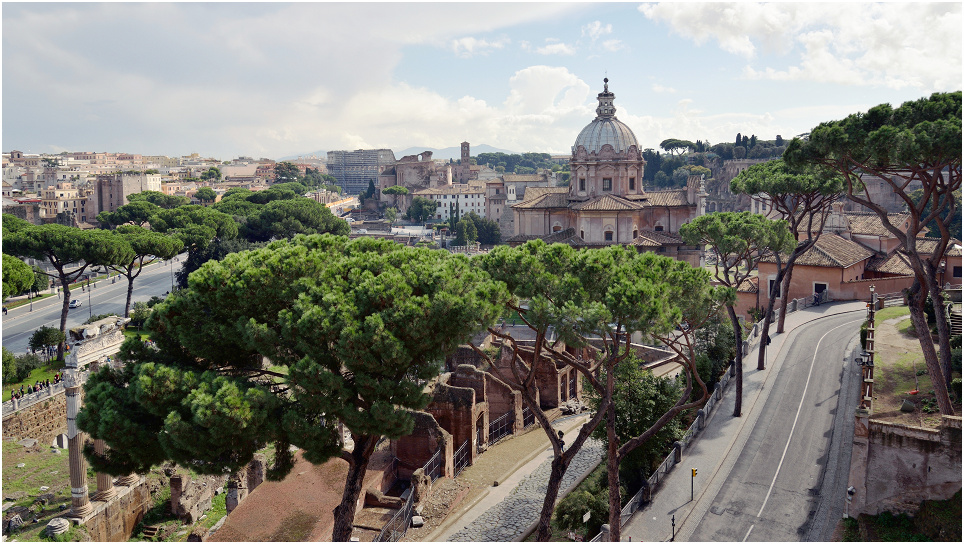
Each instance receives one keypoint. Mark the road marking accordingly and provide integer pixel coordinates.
(748, 533)
(799, 408)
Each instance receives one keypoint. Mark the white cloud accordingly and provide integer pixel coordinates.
(613, 45)
(556, 49)
(657, 88)
(596, 29)
(469, 46)
(894, 45)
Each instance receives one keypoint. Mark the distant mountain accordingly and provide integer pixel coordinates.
(445, 154)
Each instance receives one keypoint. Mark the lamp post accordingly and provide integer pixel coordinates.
(90, 311)
(172, 275)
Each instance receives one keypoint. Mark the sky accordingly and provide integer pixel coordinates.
(279, 79)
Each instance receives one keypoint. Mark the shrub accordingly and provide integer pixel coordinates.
(26, 363)
(956, 386)
(863, 335)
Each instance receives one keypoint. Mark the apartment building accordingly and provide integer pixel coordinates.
(467, 197)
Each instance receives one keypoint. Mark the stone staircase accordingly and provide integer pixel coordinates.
(150, 531)
(955, 321)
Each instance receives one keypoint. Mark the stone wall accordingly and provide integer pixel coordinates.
(43, 420)
(895, 467)
(190, 498)
(415, 449)
(114, 521)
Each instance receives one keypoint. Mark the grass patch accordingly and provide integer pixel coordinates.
(906, 327)
(899, 528)
(890, 313)
(294, 528)
(45, 372)
(134, 332)
(218, 510)
(18, 303)
(851, 530)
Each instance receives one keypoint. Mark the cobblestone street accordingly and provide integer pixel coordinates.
(510, 518)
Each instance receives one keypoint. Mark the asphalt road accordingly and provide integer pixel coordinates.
(789, 481)
(105, 298)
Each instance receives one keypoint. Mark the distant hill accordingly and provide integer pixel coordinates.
(454, 152)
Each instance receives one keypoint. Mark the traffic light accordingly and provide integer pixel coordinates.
(694, 472)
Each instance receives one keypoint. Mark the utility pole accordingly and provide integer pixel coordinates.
(692, 482)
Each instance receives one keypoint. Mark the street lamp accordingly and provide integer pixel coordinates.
(90, 311)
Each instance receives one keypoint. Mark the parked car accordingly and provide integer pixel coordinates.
(75, 303)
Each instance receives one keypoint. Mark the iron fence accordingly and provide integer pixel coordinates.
(501, 427)
(528, 418)
(395, 529)
(433, 467)
(462, 457)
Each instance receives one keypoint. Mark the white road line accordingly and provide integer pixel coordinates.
(748, 533)
(799, 408)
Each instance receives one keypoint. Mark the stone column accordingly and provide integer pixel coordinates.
(79, 500)
(105, 484)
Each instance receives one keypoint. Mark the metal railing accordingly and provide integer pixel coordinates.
(433, 467)
(528, 419)
(501, 427)
(652, 484)
(13, 406)
(462, 457)
(395, 529)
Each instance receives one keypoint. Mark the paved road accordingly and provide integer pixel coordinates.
(106, 298)
(793, 464)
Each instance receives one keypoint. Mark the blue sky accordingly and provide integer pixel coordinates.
(270, 80)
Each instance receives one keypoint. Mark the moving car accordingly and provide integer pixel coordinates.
(74, 303)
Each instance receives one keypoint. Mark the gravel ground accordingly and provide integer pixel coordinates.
(510, 518)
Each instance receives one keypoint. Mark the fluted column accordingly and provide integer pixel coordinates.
(129, 480)
(79, 499)
(105, 484)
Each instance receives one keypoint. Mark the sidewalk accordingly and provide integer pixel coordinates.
(504, 513)
(713, 454)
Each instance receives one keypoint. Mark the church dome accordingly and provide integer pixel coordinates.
(605, 128)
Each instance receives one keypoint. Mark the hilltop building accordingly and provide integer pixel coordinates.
(605, 202)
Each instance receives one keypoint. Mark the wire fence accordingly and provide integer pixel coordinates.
(395, 529)
(462, 457)
(501, 427)
(528, 418)
(433, 467)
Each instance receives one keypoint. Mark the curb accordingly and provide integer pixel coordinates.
(744, 421)
(469, 506)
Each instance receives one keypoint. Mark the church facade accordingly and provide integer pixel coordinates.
(605, 202)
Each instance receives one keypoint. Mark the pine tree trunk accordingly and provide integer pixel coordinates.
(558, 470)
(919, 319)
(761, 363)
(612, 466)
(63, 318)
(738, 362)
(943, 329)
(130, 294)
(345, 512)
(785, 300)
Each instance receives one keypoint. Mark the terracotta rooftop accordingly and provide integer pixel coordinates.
(567, 236)
(869, 223)
(890, 264)
(675, 197)
(651, 238)
(544, 197)
(749, 285)
(926, 246)
(832, 251)
(607, 203)
(454, 189)
(524, 177)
